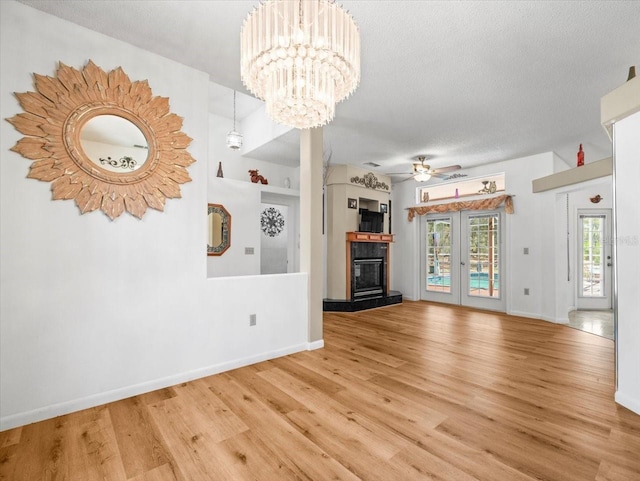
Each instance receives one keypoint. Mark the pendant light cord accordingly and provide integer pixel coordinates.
(234, 110)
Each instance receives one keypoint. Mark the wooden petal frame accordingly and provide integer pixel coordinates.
(53, 119)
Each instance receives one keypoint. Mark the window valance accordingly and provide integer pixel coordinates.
(480, 204)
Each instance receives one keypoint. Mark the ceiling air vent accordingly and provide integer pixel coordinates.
(371, 164)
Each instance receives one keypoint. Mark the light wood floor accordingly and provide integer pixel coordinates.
(416, 391)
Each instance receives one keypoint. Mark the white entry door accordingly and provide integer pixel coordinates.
(594, 259)
(462, 261)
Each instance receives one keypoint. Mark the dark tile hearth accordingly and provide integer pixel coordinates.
(342, 305)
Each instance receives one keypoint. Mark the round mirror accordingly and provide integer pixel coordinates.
(114, 143)
(109, 143)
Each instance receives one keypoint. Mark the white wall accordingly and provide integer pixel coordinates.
(531, 226)
(242, 201)
(404, 253)
(627, 262)
(93, 310)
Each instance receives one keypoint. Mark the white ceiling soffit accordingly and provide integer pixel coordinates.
(466, 82)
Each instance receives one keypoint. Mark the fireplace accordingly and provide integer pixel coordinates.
(368, 269)
(368, 278)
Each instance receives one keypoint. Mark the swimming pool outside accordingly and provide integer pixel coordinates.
(477, 280)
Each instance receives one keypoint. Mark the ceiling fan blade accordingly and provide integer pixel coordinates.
(422, 168)
(449, 168)
(411, 177)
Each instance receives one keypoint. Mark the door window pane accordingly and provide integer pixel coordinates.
(592, 256)
(439, 255)
(484, 256)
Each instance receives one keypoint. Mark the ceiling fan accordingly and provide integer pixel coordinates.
(422, 172)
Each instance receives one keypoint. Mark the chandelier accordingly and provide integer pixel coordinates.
(301, 57)
(234, 138)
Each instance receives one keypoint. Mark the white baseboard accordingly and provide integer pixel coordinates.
(531, 315)
(628, 402)
(556, 320)
(48, 412)
(312, 346)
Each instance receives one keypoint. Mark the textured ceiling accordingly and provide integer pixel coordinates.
(465, 82)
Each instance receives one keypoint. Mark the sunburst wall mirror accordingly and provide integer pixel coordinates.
(102, 140)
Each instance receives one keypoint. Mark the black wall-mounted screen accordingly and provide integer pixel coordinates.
(371, 221)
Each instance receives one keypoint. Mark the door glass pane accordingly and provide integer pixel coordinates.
(592, 256)
(439, 255)
(484, 256)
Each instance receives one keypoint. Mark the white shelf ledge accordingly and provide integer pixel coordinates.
(577, 175)
(279, 190)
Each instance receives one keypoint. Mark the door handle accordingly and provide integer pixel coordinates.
(462, 263)
(609, 264)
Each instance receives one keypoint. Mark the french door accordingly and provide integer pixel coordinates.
(594, 259)
(462, 260)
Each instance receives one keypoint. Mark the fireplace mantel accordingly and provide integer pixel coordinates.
(368, 237)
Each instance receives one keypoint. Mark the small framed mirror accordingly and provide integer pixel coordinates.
(219, 227)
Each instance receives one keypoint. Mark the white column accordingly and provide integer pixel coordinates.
(311, 258)
(620, 113)
(627, 259)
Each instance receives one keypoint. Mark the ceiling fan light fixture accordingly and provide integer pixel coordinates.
(300, 57)
(422, 176)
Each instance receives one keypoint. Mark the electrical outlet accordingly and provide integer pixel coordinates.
(252, 319)
(526, 251)
(248, 251)
(526, 291)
